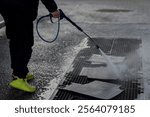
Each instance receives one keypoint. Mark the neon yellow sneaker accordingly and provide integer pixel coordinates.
(29, 76)
(23, 85)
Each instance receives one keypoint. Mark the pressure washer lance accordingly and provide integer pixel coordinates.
(62, 15)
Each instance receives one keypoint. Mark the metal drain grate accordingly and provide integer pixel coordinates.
(132, 85)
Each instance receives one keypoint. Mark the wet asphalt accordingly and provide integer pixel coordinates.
(1, 18)
(99, 18)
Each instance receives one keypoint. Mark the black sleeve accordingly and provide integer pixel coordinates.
(50, 5)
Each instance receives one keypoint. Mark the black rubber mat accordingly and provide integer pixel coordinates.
(132, 85)
(97, 89)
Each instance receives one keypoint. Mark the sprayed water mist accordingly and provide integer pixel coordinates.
(112, 65)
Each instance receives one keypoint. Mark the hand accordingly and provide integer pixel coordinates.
(56, 14)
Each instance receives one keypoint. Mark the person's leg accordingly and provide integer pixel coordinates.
(20, 32)
(20, 51)
(21, 48)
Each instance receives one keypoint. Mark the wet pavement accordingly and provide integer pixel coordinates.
(1, 22)
(2, 30)
(1, 19)
(103, 19)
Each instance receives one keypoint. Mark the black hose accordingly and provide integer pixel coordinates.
(58, 29)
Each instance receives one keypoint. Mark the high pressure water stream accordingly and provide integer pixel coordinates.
(111, 64)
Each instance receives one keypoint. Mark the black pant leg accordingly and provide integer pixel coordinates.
(19, 29)
(21, 48)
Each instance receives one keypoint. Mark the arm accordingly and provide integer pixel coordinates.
(50, 5)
